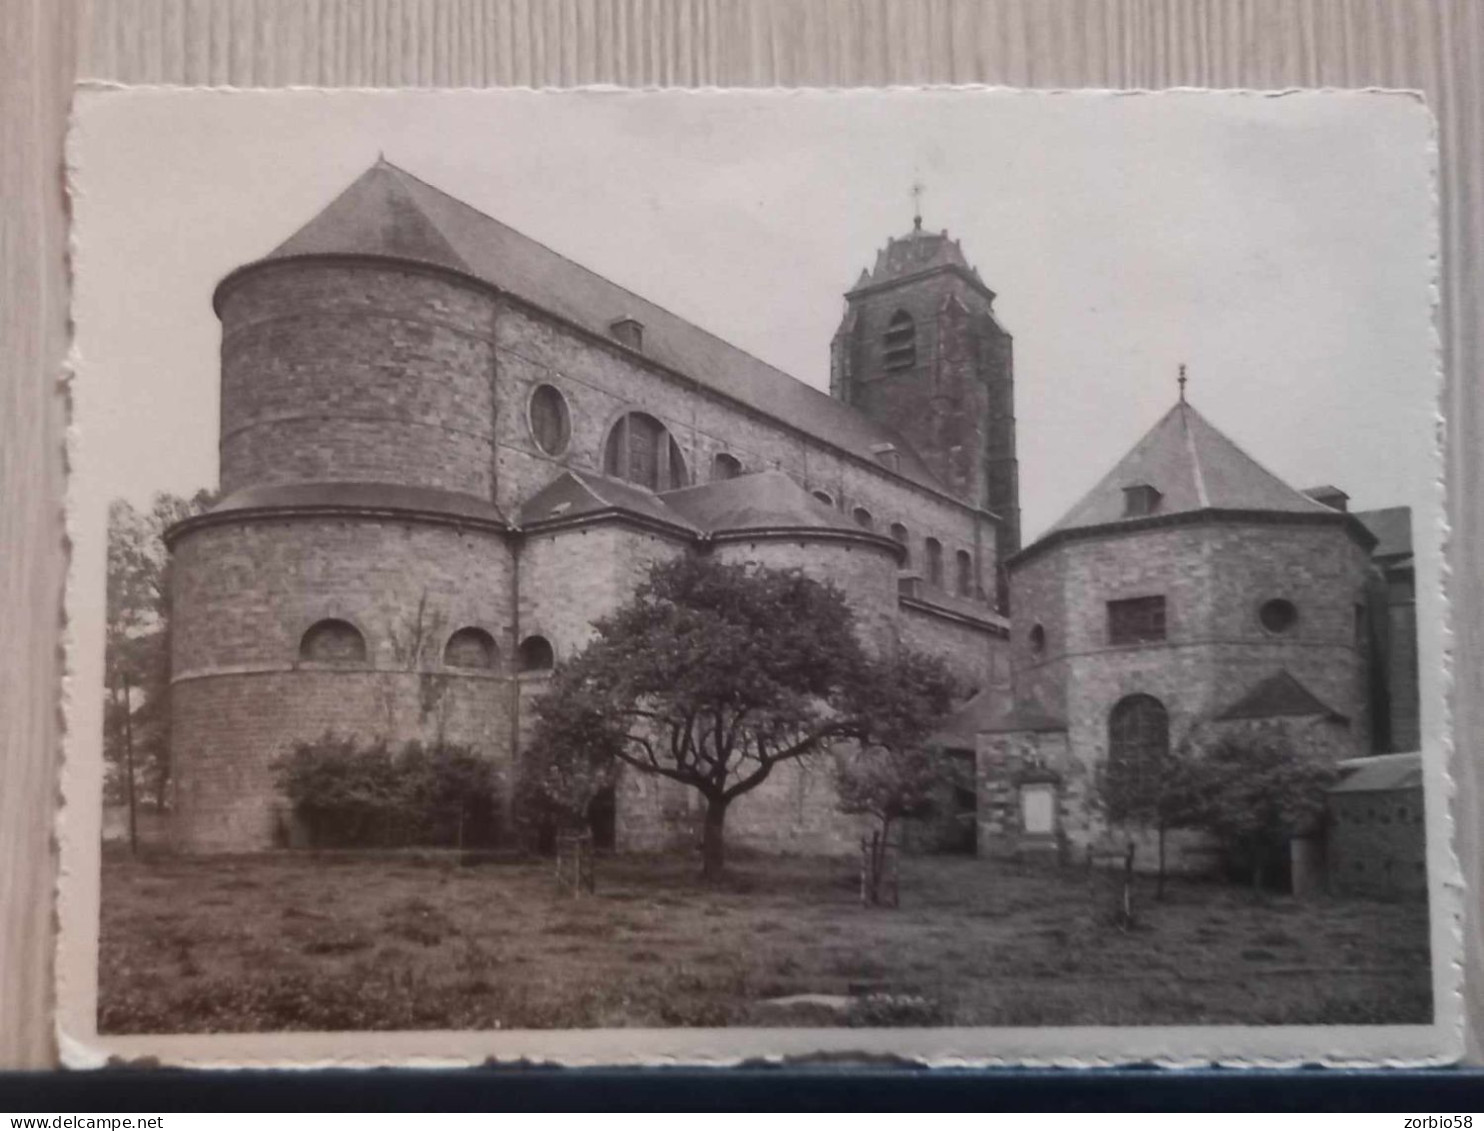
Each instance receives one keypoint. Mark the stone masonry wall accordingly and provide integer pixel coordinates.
(245, 594)
(1214, 577)
(1377, 843)
(955, 404)
(601, 383)
(228, 729)
(357, 372)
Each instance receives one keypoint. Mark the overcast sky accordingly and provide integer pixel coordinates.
(1279, 246)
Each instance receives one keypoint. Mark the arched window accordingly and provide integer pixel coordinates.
(1138, 745)
(933, 550)
(725, 466)
(551, 425)
(469, 648)
(965, 562)
(900, 342)
(863, 518)
(641, 451)
(1038, 638)
(535, 654)
(333, 642)
(824, 497)
(899, 535)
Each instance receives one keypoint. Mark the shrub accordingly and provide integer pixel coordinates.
(351, 795)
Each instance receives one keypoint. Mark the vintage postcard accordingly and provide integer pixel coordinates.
(615, 577)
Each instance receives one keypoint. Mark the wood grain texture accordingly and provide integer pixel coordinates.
(1432, 45)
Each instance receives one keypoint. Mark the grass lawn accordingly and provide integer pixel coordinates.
(332, 942)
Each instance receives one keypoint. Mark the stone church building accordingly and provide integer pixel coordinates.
(446, 450)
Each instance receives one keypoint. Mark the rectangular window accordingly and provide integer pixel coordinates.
(1038, 809)
(1137, 620)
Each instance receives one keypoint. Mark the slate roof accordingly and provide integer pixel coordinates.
(1279, 696)
(1380, 773)
(1194, 467)
(913, 254)
(387, 211)
(391, 498)
(988, 713)
(1392, 527)
(764, 500)
(576, 494)
(368, 496)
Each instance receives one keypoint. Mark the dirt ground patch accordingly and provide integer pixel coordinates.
(335, 942)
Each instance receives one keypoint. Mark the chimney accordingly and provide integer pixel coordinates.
(629, 332)
(1331, 497)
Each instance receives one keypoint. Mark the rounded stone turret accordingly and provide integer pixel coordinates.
(344, 370)
(356, 578)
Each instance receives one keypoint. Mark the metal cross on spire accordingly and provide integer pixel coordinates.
(1181, 380)
(917, 191)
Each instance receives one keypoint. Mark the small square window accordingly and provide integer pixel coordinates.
(1137, 620)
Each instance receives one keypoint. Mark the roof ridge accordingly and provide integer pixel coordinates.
(1312, 504)
(1195, 458)
(612, 283)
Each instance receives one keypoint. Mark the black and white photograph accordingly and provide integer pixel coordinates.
(608, 576)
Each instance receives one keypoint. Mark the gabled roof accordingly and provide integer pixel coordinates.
(1380, 773)
(1279, 696)
(1194, 467)
(1392, 527)
(915, 253)
(989, 713)
(576, 495)
(387, 211)
(764, 500)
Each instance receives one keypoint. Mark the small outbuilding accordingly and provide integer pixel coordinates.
(1377, 838)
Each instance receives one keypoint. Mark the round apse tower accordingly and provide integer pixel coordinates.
(355, 577)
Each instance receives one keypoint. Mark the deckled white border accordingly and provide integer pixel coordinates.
(79, 817)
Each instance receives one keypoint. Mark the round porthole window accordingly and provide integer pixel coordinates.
(1278, 615)
(551, 425)
(1038, 638)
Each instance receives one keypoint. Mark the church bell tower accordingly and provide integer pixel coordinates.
(920, 351)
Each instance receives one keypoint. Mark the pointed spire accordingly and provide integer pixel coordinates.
(1181, 381)
(917, 191)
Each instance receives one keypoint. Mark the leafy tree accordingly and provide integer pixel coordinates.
(712, 675)
(137, 646)
(1255, 795)
(891, 784)
(572, 757)
(1152, 793)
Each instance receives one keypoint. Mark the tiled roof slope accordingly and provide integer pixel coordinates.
(1278, 696)
(387, 211)
(360, 496)
(1194, 467)
(374, 216)
(765, 500)
(1392, 527)
(988, 713)
(576, 494)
